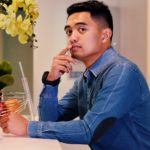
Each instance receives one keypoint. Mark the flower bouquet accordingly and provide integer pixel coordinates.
(18, 17)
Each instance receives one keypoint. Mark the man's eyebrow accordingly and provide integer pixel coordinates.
(79, 23)
(67, 26)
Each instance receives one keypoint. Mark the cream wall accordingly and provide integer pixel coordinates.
(148, 42)
(133, 32)
(51, 39)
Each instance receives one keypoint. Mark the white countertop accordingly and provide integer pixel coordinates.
(11, 142)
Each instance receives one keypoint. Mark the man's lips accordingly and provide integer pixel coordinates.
(75, 47)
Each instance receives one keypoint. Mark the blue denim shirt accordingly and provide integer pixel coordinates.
(112, 100)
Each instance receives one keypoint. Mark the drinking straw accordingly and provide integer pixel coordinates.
(27, 92)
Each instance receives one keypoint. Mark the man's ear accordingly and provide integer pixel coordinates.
(106, 35)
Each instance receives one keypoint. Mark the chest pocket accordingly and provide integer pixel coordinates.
(87, 95)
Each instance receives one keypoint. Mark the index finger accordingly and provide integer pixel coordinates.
(65, 50)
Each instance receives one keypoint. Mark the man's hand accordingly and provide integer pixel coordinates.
(14, 123)
(62, 63)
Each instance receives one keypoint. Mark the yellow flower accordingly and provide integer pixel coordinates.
(25, 25)
(23, 38)
(19, 18)
(30, 2)
(11, 29)
(33, 11)
(24, 29)
(12, 8)
(2, 21)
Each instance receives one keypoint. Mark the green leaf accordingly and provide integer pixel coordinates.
(5, 68)
(6, 80)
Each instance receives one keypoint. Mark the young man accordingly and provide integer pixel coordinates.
(111, 98)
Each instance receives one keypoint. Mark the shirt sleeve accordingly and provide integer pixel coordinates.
(52, 109)
(48, 103)
(116, 96)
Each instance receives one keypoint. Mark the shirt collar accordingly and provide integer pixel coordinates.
(102, 62)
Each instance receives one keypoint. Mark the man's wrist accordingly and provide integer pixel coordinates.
(48, 82)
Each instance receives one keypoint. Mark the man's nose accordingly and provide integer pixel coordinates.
(73, 37)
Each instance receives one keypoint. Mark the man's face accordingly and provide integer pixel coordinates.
(85, 36)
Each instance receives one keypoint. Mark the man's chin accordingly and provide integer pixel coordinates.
(75, 56)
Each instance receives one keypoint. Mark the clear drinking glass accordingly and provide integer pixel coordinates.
(15, 101)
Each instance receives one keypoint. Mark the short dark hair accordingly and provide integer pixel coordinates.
(98, 10)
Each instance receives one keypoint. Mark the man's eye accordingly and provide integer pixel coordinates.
(82, 30)
(68, 32)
